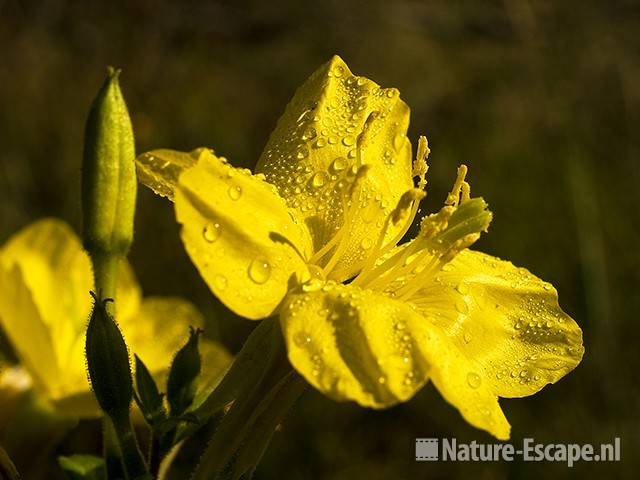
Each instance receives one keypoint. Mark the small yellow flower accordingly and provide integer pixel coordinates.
(45, 279)
(313, 237)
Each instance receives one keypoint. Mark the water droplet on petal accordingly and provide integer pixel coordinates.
(467, 337)
(348, 141)
(319, 179)
(301, 339)
(259, 271)
(220, 282)
(235, 192)
(339, 164)
(366, 243)
(211, 232)
(473, 379)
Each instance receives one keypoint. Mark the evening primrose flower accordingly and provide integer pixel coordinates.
(313, 237)
(45, 279)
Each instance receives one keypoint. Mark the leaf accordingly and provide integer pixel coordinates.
(82, 467)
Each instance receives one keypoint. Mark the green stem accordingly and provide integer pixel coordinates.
(110, 450)
(255, 401)
(8, 470)
(134, 465)
(105, 273)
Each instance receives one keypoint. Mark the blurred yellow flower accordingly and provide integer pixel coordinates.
(313, 237)
(45, 279)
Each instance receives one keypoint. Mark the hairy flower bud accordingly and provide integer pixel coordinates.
(108, 363)
(185, 369)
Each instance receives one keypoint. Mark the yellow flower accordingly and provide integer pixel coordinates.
(333, 196)
(45, 279)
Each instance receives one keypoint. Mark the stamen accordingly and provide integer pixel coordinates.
(354, 194)
(459, 190)
(420, 166)
(408, 201)
(427, 274)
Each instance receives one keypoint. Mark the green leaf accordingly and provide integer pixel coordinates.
(82, 467)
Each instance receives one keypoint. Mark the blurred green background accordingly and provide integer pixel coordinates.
(541, 99)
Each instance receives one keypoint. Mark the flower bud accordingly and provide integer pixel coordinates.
(150, 399)
(108, 172)
(185, 368)
(108, 363)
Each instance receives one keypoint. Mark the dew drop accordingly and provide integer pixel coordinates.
(319, 179)
(348, 141)
(339, 164)
(301, 339)
(473, 379)
(366, 243)
(211, 232)
(259, 271)
(235, 192)
(399, 141)
(220, 282)
(467, 337)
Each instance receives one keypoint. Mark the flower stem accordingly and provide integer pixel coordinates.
(258, 406)
(134, 465)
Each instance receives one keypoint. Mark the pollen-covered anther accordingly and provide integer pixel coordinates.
(420, 166)
(461, 191)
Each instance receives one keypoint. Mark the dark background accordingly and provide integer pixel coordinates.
(540, 98)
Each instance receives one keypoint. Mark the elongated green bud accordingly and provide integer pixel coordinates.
(108, 173)
(108, 363)
(185, 368)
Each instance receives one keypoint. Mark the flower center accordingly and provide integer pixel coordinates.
(442, 235)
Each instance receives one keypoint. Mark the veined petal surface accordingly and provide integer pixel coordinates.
(354, 344)
(312, 156)
(240, 235)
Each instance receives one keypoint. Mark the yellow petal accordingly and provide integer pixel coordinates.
(57, 272)
(506, 319)
(240, 235)
(311, 156)
(160, 169)
(354, 344)
(25, 329)
(47, 278)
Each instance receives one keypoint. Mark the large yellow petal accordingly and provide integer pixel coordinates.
(57, 272)
(354, 344)
(311, 156)
(504, 318)
(45, 305)
(240, 235)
